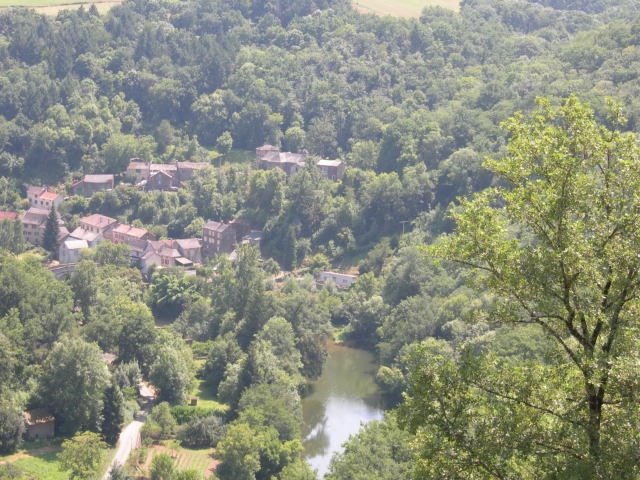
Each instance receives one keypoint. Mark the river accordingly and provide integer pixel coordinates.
(344, 397)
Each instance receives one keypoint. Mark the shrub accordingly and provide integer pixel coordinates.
(202, 432)
(184, 414)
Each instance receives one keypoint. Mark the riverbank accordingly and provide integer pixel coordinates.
(340, 401)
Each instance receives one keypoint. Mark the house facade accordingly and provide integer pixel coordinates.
(34, 223)
(268, 157)
(70, 250)
(218, 237)
(135, 238)
(91, 184)
(39, 423)
(340, 280)
(331, 169)
(43, 198)
(98, 224)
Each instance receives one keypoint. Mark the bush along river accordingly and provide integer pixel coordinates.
(340, 401)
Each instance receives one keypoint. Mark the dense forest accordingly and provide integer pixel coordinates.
(497, 251)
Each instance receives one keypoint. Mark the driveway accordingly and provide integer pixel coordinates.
(130, 436)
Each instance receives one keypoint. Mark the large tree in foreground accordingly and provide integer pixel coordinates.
(558, 244)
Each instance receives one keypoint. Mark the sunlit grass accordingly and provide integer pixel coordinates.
(402, 8)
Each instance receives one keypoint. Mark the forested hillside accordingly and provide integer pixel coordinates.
(495, 251)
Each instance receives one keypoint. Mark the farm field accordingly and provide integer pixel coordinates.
(402, 8)
(200, 460)
(52, 7)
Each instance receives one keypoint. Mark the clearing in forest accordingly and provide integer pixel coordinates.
(52, 7)
(402, 8)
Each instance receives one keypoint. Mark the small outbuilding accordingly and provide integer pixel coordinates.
(40, 423)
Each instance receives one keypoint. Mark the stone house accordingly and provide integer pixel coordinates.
(136, 239)
(186, 170)
(268, 157)
(161, 180)
(331, 169)
(218, 237)
(39, 423)
(91, 184)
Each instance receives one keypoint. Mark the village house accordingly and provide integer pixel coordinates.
(171, 253)
(340, 280)
(99, 224)
(268, 157)
(91, 184)
(34, 223)
(190, 248)
(162, 176)
(218, 237)
(186, 170)
(39, 423)
(134, 237)
(43, 198)
(160, 180)
(70, 250)
(94, 229)
(331, 169)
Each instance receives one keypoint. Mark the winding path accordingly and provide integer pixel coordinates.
(130, 436)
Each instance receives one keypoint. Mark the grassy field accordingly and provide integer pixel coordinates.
(42, 466)
(200, 460)
(52, 7)
(202, 390)
(402, 8)
(39, 459)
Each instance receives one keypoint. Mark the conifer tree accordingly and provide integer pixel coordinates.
(113, 413)
(51, 233)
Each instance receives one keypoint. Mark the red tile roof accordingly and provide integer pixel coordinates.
(5, 215)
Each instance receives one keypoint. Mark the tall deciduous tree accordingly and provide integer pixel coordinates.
(558, 246)
(73, 382)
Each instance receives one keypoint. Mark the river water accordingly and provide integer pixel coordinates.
(343, 398)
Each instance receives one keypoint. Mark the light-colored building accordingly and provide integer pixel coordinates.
(71, 249)
(171, 253)
(92, 238)
(43, 198)
(34, 223)
(340, 280)
(268, 157)
(99, 224)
